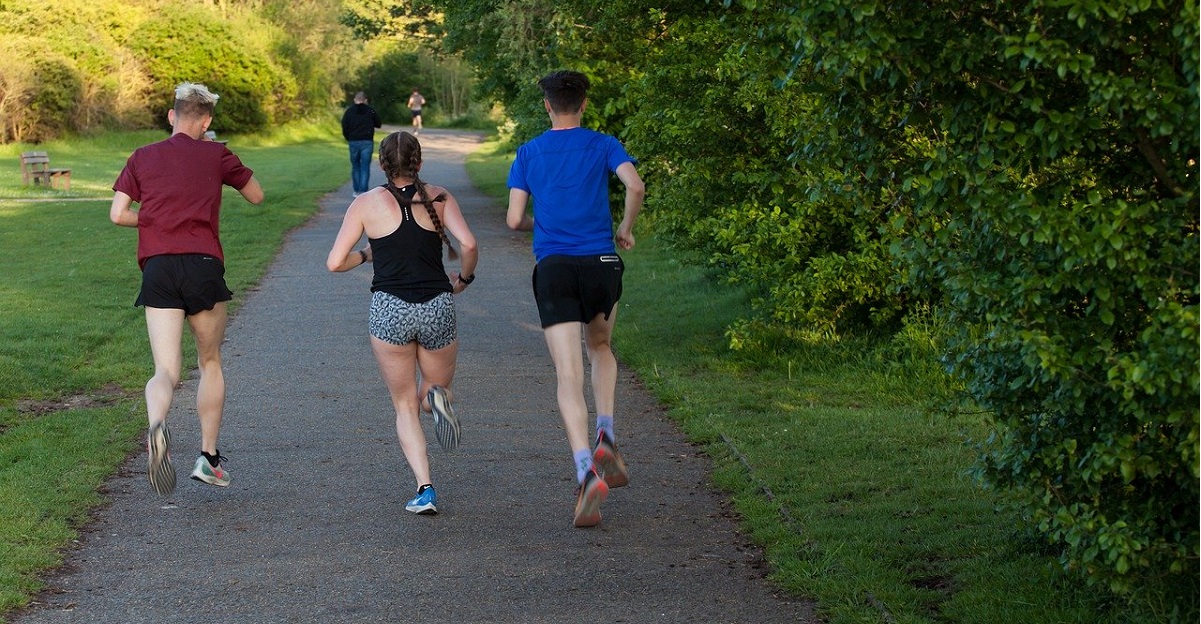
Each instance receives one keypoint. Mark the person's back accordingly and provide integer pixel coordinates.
(358, 128)
(359, 122)
(178, 183)
(567, 173)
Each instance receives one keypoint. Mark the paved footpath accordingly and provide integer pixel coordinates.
(313, 527)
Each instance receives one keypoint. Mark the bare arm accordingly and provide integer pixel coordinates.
(252, 191)
(635, 194)
(516, 217)
(121, 212)
(343, 256)
(453, 221)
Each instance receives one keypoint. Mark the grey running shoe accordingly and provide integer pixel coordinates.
(210, 474)
(446, 424)
(609, 462)
(591, 493)
(158, 465)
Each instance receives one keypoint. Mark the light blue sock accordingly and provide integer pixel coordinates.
(583, 463)
(604, 422)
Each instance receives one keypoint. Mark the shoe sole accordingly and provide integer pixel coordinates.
(158, 466)
(611, 467)
(446, 424)
(587, 509)
(423, 510)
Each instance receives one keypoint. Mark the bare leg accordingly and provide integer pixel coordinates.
(165, 328)
(598, 336)
(437, 369)
(208, 328)
(563, 341)
(398, 366)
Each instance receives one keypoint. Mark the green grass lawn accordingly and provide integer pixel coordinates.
(73, 349)
(856, 488)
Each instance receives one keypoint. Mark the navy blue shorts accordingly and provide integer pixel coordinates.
(571, 289)
(189, 282)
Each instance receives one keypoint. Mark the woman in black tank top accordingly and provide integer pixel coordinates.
(412, 320)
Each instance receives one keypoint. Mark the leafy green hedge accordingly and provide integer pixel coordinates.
(255, 91)
(86, 65)
(1026, 171)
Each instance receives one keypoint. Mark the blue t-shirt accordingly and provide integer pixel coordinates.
(567, 174)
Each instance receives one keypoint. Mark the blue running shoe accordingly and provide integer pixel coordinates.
(158, 463)
(425, 503)
(446, 424)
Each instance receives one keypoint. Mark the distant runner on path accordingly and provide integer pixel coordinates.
(577, 280)
(416, 101)
(412, 316)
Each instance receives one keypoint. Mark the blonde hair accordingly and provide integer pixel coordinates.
(193, 100)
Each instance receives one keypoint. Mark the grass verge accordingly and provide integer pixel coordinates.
(73, 349)
(857, 491)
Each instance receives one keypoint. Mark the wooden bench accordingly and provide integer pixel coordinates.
(36, 169)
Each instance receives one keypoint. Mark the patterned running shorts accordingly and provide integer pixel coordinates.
(398, 322)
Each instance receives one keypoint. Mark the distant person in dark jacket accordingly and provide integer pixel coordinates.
(358, 128)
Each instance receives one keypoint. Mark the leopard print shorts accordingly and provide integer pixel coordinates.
(396, 321)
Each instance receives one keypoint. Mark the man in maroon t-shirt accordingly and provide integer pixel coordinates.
(177, 184)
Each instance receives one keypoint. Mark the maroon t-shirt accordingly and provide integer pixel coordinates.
(178, 182)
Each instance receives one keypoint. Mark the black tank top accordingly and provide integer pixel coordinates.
(408, 262)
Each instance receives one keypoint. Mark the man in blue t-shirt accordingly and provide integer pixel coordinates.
(577, 279)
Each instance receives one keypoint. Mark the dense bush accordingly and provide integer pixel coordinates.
(219, 56)
(749, 173)
(1043, 179)
(80, 65)
(388, 80)
(1029, 168)
(42, 92)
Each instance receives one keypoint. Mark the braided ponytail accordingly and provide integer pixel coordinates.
(429, 207)
(400, 156)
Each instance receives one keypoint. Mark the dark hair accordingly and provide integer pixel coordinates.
(400, 157)
(565, 90)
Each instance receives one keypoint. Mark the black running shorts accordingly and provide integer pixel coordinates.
(189, 282)
(571, 289)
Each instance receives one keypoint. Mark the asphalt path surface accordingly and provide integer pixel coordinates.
(313, 526)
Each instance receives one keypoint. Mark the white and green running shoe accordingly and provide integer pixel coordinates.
(212, 475)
